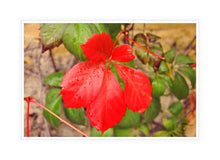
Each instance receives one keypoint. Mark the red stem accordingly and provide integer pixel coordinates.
(118, 38)
(126, 33)
(29, 99)
(144, 48)
(28, 104)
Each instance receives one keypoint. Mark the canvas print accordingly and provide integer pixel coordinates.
(109, 79)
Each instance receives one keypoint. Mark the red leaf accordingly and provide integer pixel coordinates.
(98, 48)
(137, 88)
(109, 107)
(193, 65)
(90, 85)
(122, 53)
(81, 84)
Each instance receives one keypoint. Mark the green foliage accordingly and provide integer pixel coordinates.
(72, 35)
(142, 55)
(153, 110)
(158, 87)
(53, 102)
(143, 130)
(52, 94)
(115, 72)
(131, 119)
(77, 34)
(167, 80)
(189, 73)
(179, 131)
(169, 55)
(163, 67)
(51, 34)
(129, 64)
(113, 29)
(75, 115)
(97, 27)
(95, 133)
(180, 87)
(157, 46)
(182, 59)
(128, 132)
(170, 123)
(150, 67)
(54, 79)
(152, 37)
(176, 108)
(162, 134)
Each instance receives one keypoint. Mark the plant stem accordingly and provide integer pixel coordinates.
(189, 46)
(186, 114)
(54, 65)
(157, 128)
(61, 119)
(28, 104)
(145, 48)
(126, 37)
(27, 99)
(117, 38)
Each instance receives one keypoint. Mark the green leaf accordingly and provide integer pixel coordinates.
(182, 59)
(129, 64)
(150, 67)
(140, 38)
(152, 37)
(75, 115)
(115, 72)
(131, 119)
(54, 106)
(189, 73)
(54, 79)
(153, 110)
(144, 128)
(180, 88)
(107, 133)
(51, 34)
(158, 87)
(118, 132)
(180, 130)
(163, 67)
(77, 34)
(170, 123)
(142, 55)
(97, 27)
(176, 108)
(167, 80)
(52, 94)
(113, 29)
(157, 46)
(169, 55)
(161, 134)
